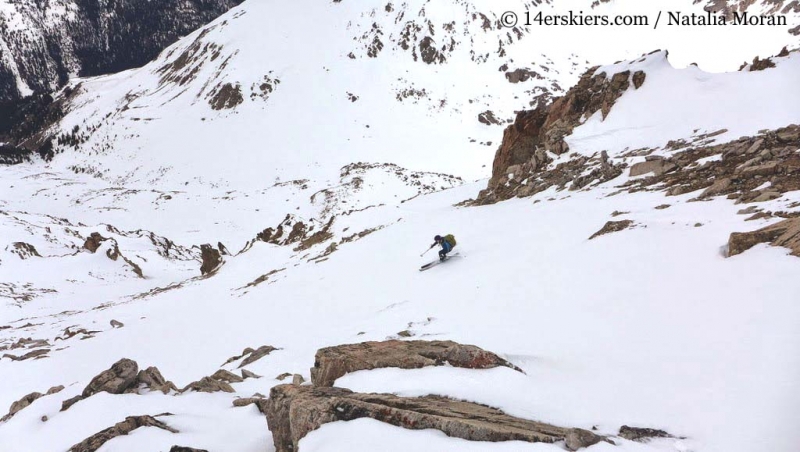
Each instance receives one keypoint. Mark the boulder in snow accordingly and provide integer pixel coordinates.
(612, 226)
(130, 424)
(785, 233)
(333, 362)
(641, 434)
(294, 411)
(27, 400)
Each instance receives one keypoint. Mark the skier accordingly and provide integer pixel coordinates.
(447, 243)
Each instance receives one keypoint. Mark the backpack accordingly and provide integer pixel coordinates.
(450, 239)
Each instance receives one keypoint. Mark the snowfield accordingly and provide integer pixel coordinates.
(652, 326)
(675, 103)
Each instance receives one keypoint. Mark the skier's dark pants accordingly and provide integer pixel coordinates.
(446, 248)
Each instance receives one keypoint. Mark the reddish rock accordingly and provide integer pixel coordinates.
(333, 362)
(535, 132)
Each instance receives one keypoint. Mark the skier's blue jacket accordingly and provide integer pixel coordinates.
(446, 246)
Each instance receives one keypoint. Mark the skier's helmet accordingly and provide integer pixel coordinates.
(438, 238)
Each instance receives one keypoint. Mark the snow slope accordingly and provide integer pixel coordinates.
(677, 103)
(651, 326)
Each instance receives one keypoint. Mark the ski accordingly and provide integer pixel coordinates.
(432, 264)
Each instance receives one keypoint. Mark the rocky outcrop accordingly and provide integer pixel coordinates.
(123, 377)
(599, 171)
(34, 354)
(745, 166)
(116, 380)
(578, 438)
(185, 449)
(258, 400)
(27, 400)
(211, 259)
(221, 380)
(612, 226)
(247, 374)
(578, 173)
(24, 250)
(294, 411)
(226, 96)
(95, 241)
(120, 377)
(69, 333)
(289, 231)
(152, 379)
(526, 143)
(652, 164)
(294, 231)
(785, 233)
(760, 64)
(228, 377)
(125, 427)
(257, 354)
(522, 75)
(333, 362)
(264, 278)
(488, 118)
(641, 434)
(208, 384)
(252, 355)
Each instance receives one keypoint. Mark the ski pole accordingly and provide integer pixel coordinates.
(425, 251)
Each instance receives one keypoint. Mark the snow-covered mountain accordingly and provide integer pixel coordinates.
(43, 44)
(206, 227)
(328, 98)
